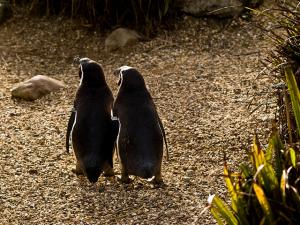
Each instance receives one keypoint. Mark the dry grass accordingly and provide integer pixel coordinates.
(145, 15)
(203, 82)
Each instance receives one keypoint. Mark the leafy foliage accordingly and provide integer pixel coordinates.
(267, 193)
(257, 196)
(288, 40)
(285, 59)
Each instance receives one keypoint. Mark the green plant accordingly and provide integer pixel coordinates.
(285, 34)
(268, 191)
(257, 195)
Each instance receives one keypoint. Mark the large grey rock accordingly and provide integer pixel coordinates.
(220, 8)
(36, 87)
(120, 38)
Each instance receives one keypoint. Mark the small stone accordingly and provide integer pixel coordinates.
(32, 171)
(193, 168)
(36, 87)
(237, 91)
(120, 38)
(101, 189)
(186, 179)
(185, 168)
(190, 173)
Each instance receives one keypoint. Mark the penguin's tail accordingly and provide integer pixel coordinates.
(147, 171)
(93, 173)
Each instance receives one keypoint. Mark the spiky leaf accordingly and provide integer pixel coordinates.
(263, 201)
(293, 157)
(294, 94)
(265, 173)
(283, 186)
(223, 210)
(230, 187)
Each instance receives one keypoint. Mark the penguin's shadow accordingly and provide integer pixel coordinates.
(100, 186)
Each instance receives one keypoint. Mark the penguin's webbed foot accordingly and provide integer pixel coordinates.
(124, 179)
(77, 170)
(109, 172)
(157, 181)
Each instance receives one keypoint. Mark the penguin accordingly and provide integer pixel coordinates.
(92, 130)
(141, 132)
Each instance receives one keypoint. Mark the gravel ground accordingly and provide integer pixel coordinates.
(206, 84)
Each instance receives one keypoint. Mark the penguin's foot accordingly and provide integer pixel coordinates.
(77, 170)
(124, 179)
(157, 181)
(109, 172)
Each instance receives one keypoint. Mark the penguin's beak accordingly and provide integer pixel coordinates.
(76, 60)
(117, 72)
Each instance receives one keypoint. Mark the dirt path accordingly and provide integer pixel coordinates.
(202, 81)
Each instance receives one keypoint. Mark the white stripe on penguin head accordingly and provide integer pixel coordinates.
(122, 69)
(81, 62)
(81, 79)
(84, 60)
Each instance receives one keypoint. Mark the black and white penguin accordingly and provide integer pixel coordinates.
(141, 133)
(90, 125)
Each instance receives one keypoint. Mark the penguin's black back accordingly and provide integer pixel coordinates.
(140, 141)
(92, 134)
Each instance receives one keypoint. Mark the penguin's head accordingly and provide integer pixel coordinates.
(91, 73)
(130, 78)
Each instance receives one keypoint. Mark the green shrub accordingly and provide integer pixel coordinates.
(258, 196)
(268, 191)
(285, 34)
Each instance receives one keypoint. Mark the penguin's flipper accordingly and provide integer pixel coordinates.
(164, 135)
(114, 134)
(69, 128)
(115, 128)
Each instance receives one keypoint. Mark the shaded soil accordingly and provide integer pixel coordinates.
(206, 83)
